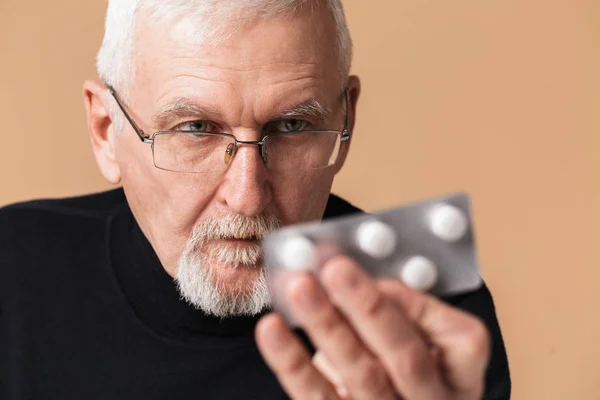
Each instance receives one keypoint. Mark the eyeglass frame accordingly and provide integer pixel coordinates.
(345, 133)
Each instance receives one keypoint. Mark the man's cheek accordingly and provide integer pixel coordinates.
(185, 201)
(303, 198)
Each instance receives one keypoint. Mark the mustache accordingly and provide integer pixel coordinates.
(236, 227)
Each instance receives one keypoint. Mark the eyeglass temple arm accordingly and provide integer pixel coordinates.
(138, 131)
(346, 131)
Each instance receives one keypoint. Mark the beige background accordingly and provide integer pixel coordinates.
(500, 98)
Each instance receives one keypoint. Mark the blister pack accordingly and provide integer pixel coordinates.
(429, 245)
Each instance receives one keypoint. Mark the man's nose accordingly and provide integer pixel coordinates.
(246, 188)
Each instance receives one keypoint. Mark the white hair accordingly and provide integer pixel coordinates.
(198, 279)
(203, 21)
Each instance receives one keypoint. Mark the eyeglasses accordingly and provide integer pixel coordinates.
(200, 152)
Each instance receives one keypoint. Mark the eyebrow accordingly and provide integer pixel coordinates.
(310, 108)
(182, 107)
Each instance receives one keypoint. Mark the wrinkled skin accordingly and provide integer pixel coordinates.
(381, 339)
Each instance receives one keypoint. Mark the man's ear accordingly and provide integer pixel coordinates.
(353, 95)
(101, 130)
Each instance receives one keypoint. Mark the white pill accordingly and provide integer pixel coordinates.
(298, 253)
(448, 222)
(376, 238)
(419, 273)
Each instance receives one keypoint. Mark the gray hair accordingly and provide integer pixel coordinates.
(196, 277)
(115, 59)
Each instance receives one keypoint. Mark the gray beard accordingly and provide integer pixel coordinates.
(198, 282)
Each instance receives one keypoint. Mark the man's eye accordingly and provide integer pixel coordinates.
(202, 126)
(291, 125)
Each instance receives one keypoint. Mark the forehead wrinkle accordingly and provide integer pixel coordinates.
(249, 65)
(200, 77)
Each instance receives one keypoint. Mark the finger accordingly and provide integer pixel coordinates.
(384, 328)
(361, 372)
(461, 338)
(290, 362)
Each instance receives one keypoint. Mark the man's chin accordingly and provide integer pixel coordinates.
(224, 279)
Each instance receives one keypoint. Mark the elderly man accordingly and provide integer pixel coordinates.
(222, 120)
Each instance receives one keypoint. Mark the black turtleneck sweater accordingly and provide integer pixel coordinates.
(88, 312)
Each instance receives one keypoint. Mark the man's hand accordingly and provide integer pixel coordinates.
(381, 339)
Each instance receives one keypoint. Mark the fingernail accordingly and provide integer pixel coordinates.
(348, 279)
(340, 277)
(307, 293)
(313, 299)
(277, 337)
